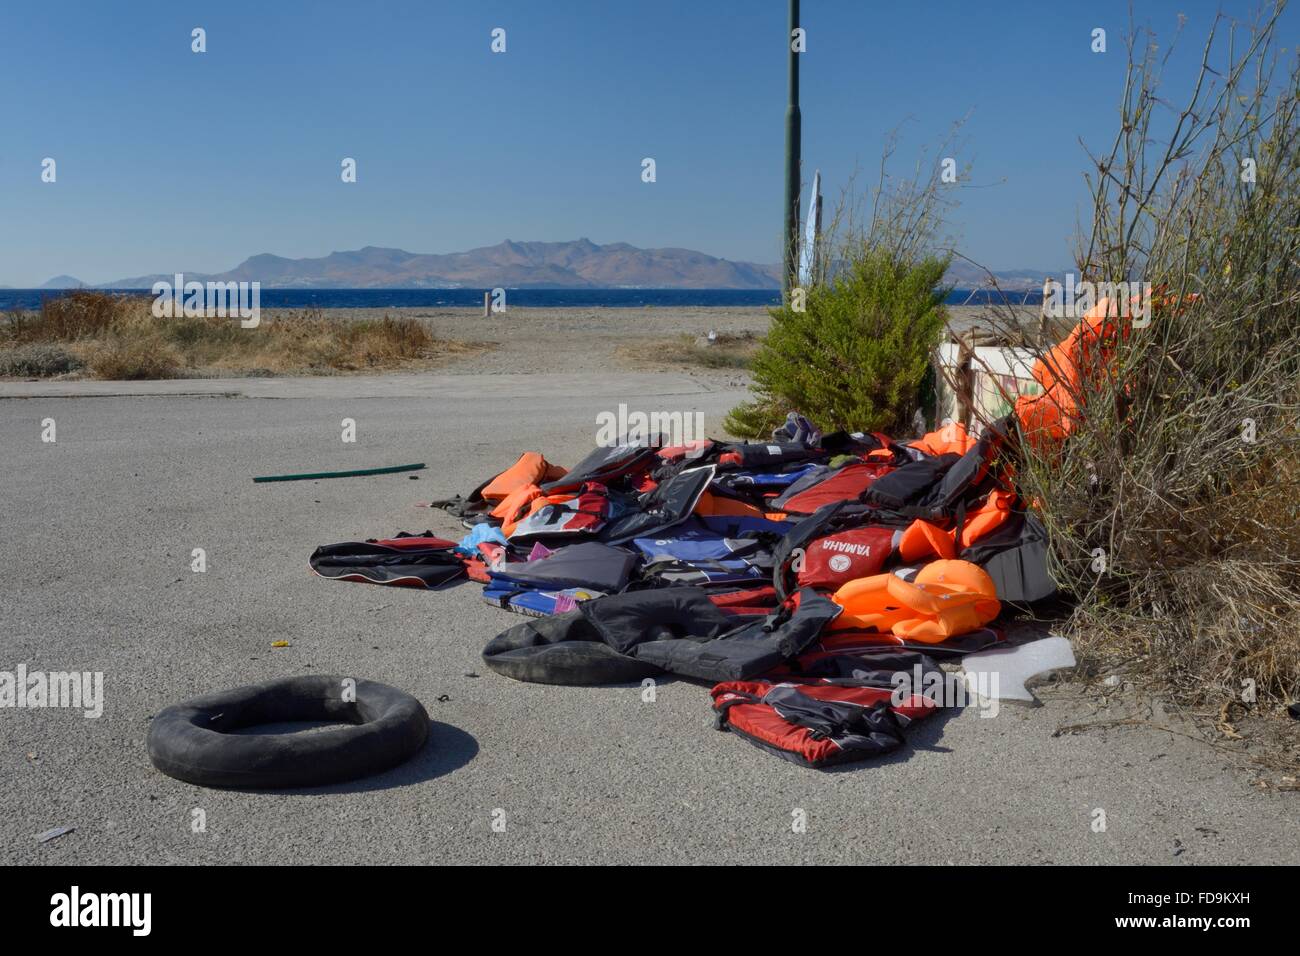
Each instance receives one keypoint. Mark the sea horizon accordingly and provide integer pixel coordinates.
(25, 299)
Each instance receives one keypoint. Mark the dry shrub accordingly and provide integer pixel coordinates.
(37, 360)
(72, 317)
(310, 340)
(386, 341)
(118, 337)
(119, 357)
(728, 350)
(1173, 504)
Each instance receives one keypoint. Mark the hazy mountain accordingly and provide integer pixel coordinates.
(64, 282)
(540, 265)
(571, 265)
(962, 275)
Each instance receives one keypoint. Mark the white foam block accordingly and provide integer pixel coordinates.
(1002, 673)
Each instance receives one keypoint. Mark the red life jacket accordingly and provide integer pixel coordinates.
(846, 484)
(839, 558)
(848, 708)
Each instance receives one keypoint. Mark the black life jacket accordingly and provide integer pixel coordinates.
(1015, 556)
(674, 629)
(761, 456)
(605, 466)
(408, 560)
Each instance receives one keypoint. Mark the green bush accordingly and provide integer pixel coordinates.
(857, 355)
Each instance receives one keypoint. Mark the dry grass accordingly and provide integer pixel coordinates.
(729, 350)
(1174, 504)
(37, 360)
(117, 337)
(117, 357)
(76, 316)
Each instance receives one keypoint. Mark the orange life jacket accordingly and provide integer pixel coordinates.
(711, 504)
(946, 599)
(1051, 415)
(923, 539)
(512, 505)
(952, 437)
(530, 469)
(529, 506)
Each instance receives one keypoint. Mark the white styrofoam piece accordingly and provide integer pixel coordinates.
(1002, 673)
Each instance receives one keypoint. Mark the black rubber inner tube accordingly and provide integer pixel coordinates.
(194, 741)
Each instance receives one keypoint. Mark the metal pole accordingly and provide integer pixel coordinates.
(790, 233)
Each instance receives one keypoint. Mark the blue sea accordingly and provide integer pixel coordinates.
(549, 298)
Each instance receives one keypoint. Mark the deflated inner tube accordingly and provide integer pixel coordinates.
(194, 741)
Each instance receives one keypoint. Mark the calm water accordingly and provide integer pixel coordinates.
(553, 298)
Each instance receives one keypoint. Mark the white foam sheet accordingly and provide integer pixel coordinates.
(1002, 673)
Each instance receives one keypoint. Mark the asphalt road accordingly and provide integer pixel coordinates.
(97, 533)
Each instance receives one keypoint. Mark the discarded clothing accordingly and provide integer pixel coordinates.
(678, 630)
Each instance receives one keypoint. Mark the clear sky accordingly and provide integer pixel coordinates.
(169, 160)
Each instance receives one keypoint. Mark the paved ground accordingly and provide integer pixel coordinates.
(97, 534)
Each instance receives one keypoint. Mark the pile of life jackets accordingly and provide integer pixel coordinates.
(800, 576)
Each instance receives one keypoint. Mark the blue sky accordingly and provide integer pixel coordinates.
(174, 161)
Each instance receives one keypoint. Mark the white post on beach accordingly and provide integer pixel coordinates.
(965, 377)
(1042, 313)
(487, 304)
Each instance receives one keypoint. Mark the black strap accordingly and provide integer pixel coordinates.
(959, 522)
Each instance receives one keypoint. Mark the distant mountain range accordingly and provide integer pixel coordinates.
(64, 282)
(962, 275)
(580, 264)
